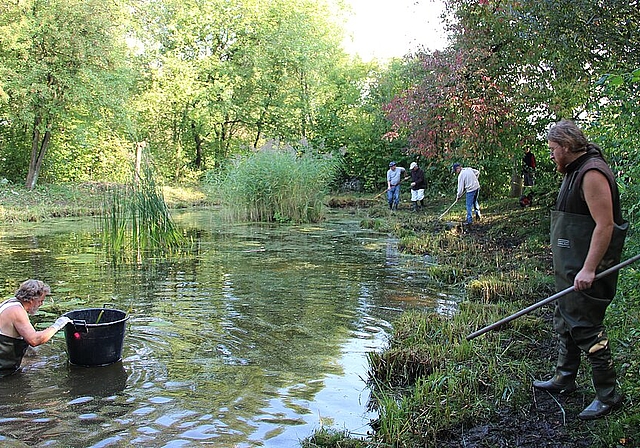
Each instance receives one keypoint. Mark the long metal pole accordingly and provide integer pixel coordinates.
(380, 194)
(548, 299)
(445, 212)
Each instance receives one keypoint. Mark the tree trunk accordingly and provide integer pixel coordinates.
(516, 179)
(139, 147)
(39, 148)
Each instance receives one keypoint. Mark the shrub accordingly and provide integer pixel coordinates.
(270, 185)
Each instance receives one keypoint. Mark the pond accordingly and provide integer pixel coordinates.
(255, 337)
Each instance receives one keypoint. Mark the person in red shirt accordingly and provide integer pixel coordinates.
(528, 167)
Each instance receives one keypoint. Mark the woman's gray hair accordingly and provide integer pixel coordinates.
(566, 134)
(32, 289)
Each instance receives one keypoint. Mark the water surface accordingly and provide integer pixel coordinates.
(255, 337)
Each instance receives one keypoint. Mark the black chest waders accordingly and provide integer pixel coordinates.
(12, 351)
(579, 315)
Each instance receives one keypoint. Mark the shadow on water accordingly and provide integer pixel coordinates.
(256, 337)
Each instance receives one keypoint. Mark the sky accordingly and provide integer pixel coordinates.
(381, 29)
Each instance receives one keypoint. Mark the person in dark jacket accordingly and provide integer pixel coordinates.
(587, 237)
(528, 167)
(418, 185)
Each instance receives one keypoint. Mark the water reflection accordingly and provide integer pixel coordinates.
(100, 381)
(255, 338)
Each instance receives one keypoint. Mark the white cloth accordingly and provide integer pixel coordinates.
(417, 195)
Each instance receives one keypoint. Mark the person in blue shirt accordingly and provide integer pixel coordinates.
(394, 177)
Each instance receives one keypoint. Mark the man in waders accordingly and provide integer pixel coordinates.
(16, 331)
(587, 236)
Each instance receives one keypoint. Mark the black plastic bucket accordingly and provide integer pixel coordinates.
(96, 336)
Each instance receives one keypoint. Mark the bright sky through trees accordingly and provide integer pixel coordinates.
(381, 29)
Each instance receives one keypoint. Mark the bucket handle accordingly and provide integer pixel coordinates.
(80, 326)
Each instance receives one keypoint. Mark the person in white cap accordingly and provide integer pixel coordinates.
(418, 185)
(394, 177)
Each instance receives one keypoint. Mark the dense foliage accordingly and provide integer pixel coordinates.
(64, 83)
(513, 68)
(201, 82)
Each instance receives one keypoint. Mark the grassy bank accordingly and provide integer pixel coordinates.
(432, 387)
(55, 201)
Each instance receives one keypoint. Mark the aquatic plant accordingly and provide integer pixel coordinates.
(135, 218)
(327, 437)
(273, 185)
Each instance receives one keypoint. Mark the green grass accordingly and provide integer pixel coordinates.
(17, 204)
(274, 186)
(430, 382)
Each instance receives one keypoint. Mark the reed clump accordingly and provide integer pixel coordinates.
(135, 219)
(331, 437)
(275, 186)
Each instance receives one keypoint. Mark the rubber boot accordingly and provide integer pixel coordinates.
(390, 205)
(604, 381)
(414, 206)
(562, 382)
(564, 379)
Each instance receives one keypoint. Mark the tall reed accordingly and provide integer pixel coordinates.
(271, 185)
(135, 218)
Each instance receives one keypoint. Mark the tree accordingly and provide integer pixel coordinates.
(245, 72)
(59, 59)
(513, 67)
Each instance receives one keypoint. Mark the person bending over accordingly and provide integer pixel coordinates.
(16, 331)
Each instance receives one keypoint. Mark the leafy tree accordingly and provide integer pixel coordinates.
(368, 140)
(243, 73)
(513, 67)
(60, 61)
(616, 128)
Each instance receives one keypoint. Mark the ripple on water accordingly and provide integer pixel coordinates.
(80, 400)
(172, 419)
(146, 410)
(160, 400)
(89, 416)
(176, 443)
(202, 432)
(109, 441)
